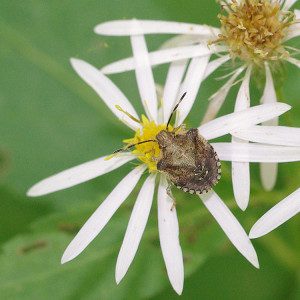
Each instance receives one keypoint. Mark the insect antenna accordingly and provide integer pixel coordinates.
(132, 145)
(175, 108)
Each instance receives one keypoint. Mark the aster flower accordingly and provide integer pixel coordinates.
(253, 36)
(277, 215)
(147, 154)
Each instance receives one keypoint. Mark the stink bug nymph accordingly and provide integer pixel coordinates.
(186, 158)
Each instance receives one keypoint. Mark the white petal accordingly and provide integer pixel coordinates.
(129, 27)
(215, 64)
(78, 174)
(273, 135)
(184, 40)
(169, 237)
(161, 57)
(292, 32)
(242, 119)
(269, 94)
(159, 90)
(256, 152)
(230, 226)
(268, 175)
(102, 214)
(216, 101)
(294, 61)
(107, 90)
(174, 78)
(294, 29)
(144, 76)
(277, 215)
(268, 172)
(243, 97)
(191, 85)
(240, 170)
(135, 228)
(241, 183)
(288, 4)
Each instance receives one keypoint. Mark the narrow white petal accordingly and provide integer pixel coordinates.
(161, 57)
(256, 152)
(184, 40)
(230, 226)
(191, 85)
(169, 237)
(129, 27)
(292, 32)
(243, 97)
(215, 64)
(241, 170)
(144, 76)
(107, 90)
(272, 135)
(288, 4)
(241, 183)
(269, 94)
(294, 61)
(135, 228)
(268, 172)
(268, 175)
(102, 214)
(242, 119)
(277, 215)
(159, 90)
(78, 174)
(174, 78)
(216, 101)
(294, 29)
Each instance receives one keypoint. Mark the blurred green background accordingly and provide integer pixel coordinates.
(50, 120)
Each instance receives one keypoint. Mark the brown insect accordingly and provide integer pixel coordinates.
(187, 159)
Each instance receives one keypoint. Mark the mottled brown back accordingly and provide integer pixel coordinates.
(188, 160)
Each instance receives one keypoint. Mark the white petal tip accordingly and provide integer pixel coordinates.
(74, 61)
(31, 193)
(100, 29)
(66, 258)
(285, 106)
(255, 263)
(253, 234)
(254, 260)
(178, 289)
(268, 187)
(243, 207)
(63, 260)
(118, 276)
(35, 191)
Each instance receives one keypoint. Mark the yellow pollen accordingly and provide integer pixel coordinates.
(254, 30)
(148, 153)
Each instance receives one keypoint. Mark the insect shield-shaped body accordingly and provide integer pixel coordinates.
(188, 160)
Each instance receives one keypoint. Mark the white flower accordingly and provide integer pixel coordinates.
(239, 121)
(253, 34)
(277, 215)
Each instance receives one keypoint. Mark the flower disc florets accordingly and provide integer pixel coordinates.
(148, 153)
(254, 30)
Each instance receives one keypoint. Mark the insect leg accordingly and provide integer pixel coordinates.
(169, 192)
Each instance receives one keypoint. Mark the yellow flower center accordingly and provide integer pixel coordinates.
(149, 152)
(254, 30)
